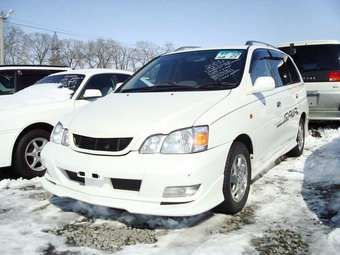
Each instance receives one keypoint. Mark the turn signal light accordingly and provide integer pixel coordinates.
(201, 138)
(334, 76)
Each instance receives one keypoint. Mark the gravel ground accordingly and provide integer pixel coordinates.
(235, 222)
(107, 236)
(280, 242)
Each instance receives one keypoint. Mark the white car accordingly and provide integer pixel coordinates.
(27, 117)
(186, 133)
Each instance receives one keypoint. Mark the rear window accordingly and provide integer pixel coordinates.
(316, 57)
(70, 81)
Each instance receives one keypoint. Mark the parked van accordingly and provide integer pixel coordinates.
(186, 133)
(14, 78)
(319, 64)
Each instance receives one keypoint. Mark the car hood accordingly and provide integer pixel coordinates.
(139, 115)
(36, 95)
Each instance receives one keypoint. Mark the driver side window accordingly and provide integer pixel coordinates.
(105, 83)
(259, 65)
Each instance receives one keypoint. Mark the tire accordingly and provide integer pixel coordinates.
(300, 139)
(27, 150)
(233, 204)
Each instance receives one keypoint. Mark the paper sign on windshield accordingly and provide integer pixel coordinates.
(228, 54)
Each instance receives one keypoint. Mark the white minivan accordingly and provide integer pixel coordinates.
(185, 134)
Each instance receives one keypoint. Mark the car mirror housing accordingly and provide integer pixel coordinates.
(262, 84)
(118, 85)
(92, 93)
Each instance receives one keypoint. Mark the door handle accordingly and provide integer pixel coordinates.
(278, 104)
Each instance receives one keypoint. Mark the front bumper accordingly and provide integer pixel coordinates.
(7, 140)
(155, 172)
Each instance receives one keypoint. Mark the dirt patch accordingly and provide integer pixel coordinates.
(51, 250)
(30, 187)
(105, 236)
(4, 210)
(323, 199)
(40, 196)
(280, 242)
(235, 222)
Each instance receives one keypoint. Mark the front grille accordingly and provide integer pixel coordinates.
(126, 184)
(101, 144)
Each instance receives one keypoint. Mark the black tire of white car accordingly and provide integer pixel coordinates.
(238, 157)
(298, 149)
(30, 143)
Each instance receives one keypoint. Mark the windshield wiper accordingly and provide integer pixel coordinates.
(158, 88)
(217, 85)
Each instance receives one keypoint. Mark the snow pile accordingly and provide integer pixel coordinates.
(322, 180)
(36, 95)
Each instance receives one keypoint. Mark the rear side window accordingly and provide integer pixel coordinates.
(122, 77)
(316, 57)
(259, 65)
(283, 69)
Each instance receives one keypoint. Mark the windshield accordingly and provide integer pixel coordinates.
(7, 82)
(316, 57)
(70, 81)
(190, 71)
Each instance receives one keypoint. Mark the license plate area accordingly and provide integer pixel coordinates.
(313, 99)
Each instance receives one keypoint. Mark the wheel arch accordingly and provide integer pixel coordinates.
(305, 120)
(39, 125)
(246, 140)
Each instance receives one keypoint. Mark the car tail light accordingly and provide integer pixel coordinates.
(334, 76)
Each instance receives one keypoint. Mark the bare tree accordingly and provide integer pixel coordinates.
(40, 46)
(14, 45)
(168, 47)
(72, 53)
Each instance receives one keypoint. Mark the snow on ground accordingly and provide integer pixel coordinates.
(294, 208)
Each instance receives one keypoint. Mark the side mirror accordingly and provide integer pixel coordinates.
(118, 85)
(262, 84)
(92, 93)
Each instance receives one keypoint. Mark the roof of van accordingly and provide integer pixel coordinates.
(92, 71)
(310, 42)
(33, 67)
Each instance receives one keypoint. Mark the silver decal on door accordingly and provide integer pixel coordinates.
(287, 116)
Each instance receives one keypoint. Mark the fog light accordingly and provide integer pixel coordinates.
(181, 191)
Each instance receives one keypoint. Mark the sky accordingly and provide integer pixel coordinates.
(182, 22)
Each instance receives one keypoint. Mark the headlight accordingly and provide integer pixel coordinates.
(152, 145)
(182, 141)
(65, 140)
(60, 135)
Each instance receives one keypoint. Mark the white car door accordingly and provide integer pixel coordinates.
(97, 86)
(286, 97)
(267, 110)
